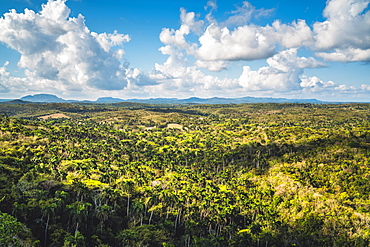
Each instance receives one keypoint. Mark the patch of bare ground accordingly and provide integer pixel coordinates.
(174, 126)
(55, 115)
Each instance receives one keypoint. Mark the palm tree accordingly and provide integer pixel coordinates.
(79, 211)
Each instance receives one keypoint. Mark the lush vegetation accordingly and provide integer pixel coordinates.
(221, 175)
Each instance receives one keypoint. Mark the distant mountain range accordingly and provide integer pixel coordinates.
(49, 98)
(44, 98)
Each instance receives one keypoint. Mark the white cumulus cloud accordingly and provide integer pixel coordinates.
(315, 84)
(243, 43)
(61, 52)
(296, 34)
(346, 55)
(10, 83)
(235, 39)
(282, 74)
(345, 35)
(217, 65)
(178, 77)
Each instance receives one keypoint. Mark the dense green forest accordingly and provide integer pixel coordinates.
(185, 175)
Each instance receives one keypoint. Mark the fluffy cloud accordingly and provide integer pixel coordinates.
(346, 31)
(212, 65)
(344, 36)
(282, 74)
(136, 77)
(58, 51)
(314, 84)
(344, 88)
(10, 83)
(218, 44)
(251, 42)
(243, 43)
(346, 55)
(365, 87)
(176, 75)
(221, 43)
(296, 34)
(3, 75)
(177, 38)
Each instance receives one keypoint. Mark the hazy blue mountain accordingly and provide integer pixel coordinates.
(108, 100)
(5, 100)
(16, 102)
(216, 100)
(49, 98)
(44, 98)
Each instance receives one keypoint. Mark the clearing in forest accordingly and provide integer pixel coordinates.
(55, 115)
(174, 126)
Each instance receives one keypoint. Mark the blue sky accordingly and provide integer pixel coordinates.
(85, 49)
